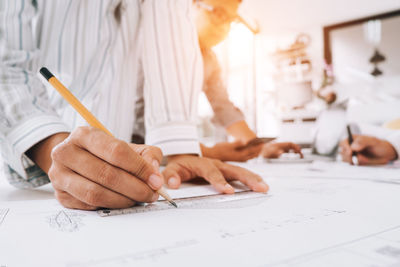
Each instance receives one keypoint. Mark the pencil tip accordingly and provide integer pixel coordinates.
(174, 204)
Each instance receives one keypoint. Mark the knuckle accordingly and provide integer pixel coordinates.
(215, 162)
(108, 175)
(140, 166)
(62, 198)
(58, 152)
(156, 150)
(93, 196)
(81, 131)
(54, 177)
(117, 149)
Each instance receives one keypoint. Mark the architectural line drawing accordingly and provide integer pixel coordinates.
(66, 221)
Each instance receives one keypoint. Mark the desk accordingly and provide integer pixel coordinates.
(311, 217)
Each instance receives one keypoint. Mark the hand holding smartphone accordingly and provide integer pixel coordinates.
(256, 141)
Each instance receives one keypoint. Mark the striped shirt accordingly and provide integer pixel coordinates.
(109, 53)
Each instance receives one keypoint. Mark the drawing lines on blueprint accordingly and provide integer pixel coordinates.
(66, 221)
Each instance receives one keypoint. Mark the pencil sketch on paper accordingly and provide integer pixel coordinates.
(3, 214)
(270, 224)
(66, 221)
(154, 255)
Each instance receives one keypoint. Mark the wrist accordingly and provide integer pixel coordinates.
(207, 152)
(40, 153)
(241, 131)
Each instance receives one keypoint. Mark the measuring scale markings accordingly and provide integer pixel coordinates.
(237, 200)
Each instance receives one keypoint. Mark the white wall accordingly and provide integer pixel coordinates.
(281, 20)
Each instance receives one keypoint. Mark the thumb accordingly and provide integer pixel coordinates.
(172, 177)
(361, 142)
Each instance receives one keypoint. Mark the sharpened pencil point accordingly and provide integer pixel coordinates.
(174, 204)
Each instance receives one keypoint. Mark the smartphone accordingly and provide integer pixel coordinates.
(256, 141)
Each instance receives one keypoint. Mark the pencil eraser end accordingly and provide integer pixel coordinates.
(46, 73)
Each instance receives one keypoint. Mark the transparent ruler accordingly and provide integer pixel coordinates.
(237, 200)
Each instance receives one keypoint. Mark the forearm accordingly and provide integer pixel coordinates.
(241, 131)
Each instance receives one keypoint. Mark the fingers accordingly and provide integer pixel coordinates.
(288, 146)
(272, 151)
(362, 142)
(364, 160)
(245, 154)
(117, 153)
(254, 151)
(215, 172)
(186, 167)
(103, 173)
(345, 151)
(211, 173)
(70, 202)
(171, 176)
(250, 179)
(85, 191)
(151, 154)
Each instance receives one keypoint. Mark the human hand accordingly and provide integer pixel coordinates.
(370, 150)
(91, 169)
(275, 150)
(226, 151)
(182, 168)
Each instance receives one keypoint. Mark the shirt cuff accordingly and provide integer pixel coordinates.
(29, 133)
(175, 138)
(394, 139)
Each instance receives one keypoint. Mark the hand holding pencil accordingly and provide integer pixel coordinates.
(92, 169)
(367, 150)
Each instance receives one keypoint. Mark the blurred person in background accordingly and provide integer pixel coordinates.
(213, 21)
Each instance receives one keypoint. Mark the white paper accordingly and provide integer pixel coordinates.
(300, 222)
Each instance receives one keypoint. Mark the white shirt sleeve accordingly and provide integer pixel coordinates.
(26, 116)
(173, 75)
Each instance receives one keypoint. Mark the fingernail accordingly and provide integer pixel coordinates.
(263, 187)
(173, 182)
(227, 188)
(155, 197)
(156, 164)
(155, 181)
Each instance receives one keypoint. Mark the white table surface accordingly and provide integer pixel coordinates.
(326, 214)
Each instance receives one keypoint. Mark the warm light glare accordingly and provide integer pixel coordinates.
(240, 47)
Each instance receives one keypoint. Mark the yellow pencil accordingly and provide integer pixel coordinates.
(86, 114)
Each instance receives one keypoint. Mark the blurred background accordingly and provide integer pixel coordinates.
(287, 71)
